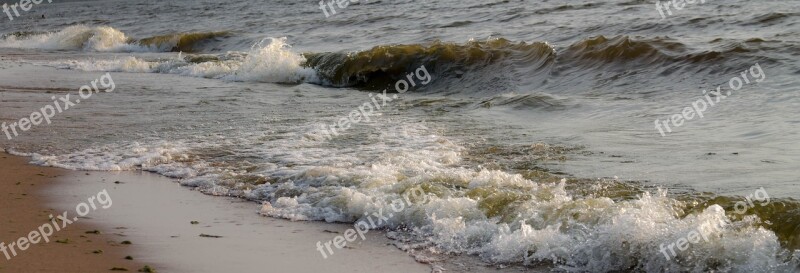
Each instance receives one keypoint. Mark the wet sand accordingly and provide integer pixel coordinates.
(25, 207)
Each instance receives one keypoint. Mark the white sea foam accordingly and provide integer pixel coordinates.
(78, 37)
(268, 61)
(273, 62)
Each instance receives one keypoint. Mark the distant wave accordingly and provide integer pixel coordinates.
(106, 39)
(185, 42)
(78, 37)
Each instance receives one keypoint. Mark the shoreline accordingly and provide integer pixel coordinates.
(76, 248)
(174, 229)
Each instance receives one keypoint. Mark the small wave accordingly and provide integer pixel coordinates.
(568, 8)
(77, 37)
(184, 42)
(626, 51)
(653, 52)
(22, 34)
(772, 17)
(526, 101)
(107, 39)
(268, 61)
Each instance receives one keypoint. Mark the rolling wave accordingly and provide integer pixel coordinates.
(268, 61)
(382, 65)
(108, 39)
(182, 42)
(489, 67)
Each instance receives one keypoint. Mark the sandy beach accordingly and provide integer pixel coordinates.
(26, 206)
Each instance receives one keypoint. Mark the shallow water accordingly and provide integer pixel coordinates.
(522, 94)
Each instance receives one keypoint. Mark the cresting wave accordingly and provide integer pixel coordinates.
(107, 39)
(270, 60)
(500, 58)
(377, 67)
(182, 42)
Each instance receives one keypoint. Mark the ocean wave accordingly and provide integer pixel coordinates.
(78, 37)
(504, 65)
(487, 67)
(626, 51)
(183, 42)
(107, 39)
(376, 68)
(527, 101)
(270, 60)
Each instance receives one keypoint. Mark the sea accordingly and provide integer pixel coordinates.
(581, 135)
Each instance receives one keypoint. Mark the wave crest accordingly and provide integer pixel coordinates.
(270, 60)
(107, 39)
(78, 37)
(382, 65)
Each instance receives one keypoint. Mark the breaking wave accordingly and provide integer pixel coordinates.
(270, 60)
(107, 39)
